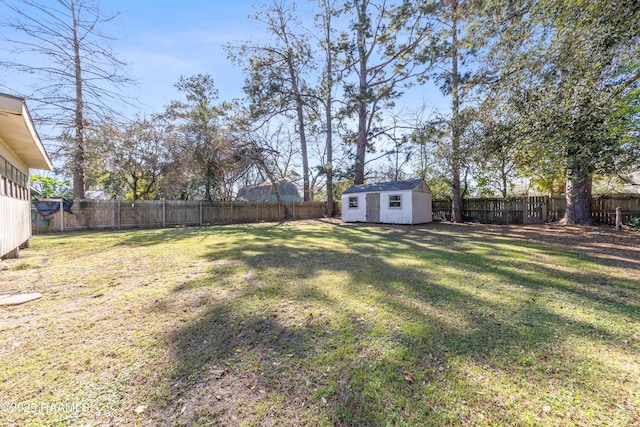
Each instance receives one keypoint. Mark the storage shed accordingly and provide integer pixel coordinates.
(20, 150)
(395, 202)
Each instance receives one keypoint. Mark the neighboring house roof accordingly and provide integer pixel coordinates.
(19, 134)
(265, 193)
(384, 186)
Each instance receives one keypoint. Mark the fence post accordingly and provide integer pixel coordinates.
(484, 211)
(200, 204)
(618, 218)
(505, 212)
(61, 214)
(164, 214)
(525, 210)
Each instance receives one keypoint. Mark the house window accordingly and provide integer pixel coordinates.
(353, 202)
(13, 182)
(395, 201)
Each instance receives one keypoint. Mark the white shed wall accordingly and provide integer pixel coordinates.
(422, 207)
(358, 214)
(401, 215)
(415, 207)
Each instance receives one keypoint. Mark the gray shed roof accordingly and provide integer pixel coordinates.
(384, 186)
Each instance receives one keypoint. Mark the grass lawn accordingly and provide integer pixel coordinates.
(323, 324)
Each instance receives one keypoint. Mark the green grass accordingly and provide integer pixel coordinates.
(320, 324)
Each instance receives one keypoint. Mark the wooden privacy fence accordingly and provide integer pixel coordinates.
(113, 214)
(531, 210)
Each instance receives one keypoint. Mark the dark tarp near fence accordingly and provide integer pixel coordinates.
(49, 207)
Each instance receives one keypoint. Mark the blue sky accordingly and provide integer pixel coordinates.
(162, 40)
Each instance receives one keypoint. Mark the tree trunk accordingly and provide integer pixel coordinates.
(361, 147)
(361, 144)
(209, 180)
(301, 128)
(134, 188)
(578, 197)
(303, 149)
(78, 154)
(505, 179)
(78, 170)
(456, 198)
(276, 190)
(329, 165)
(328, 118)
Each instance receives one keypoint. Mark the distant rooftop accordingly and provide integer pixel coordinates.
(265, 192)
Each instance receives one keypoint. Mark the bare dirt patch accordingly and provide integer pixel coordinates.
(600, 241)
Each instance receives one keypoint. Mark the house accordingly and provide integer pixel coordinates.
(20, 150)
(395, 202)
(265, 192)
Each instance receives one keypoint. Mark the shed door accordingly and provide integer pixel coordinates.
(373, 207)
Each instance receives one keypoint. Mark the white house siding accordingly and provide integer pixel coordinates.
(13, 159)
(15, 223)
(358, 214)
(15, 207)
(20, 150)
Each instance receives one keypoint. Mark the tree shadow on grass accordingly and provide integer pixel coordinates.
(155, 236)
(387, 343)
(618, 296)
(228, 361)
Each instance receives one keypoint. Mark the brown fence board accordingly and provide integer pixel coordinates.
(528, 210)
(114, 214)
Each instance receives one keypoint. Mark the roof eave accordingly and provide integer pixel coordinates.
(18, 132)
